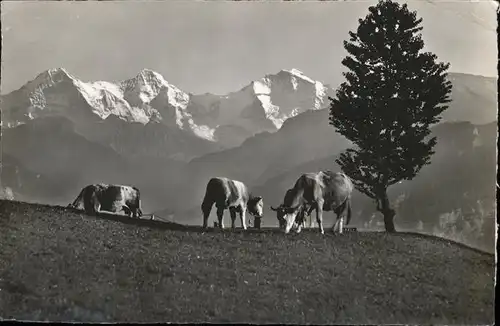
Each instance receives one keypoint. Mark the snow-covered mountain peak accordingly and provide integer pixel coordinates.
(288, 93)
(297, 73)
(262, 105)
(48, 78)
(146, 76)
(57, 73)
(144, 87)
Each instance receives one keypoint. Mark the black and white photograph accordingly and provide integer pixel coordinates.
(249, 162)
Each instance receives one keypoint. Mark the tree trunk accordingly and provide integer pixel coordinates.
(384, 207)
(389, 221)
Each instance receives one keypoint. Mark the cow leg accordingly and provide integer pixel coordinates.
(335, 226)
(243, 218)
(127, 210)
(299, 226)
(339, 223)
(300, 221)
(89, 208)
(92, 205)
(96, 204)
(133, 212)
(309, 216)
(97, 207)
(206, 207)
(319, 216)
(343, 216)
(232, 212)
(220, 216)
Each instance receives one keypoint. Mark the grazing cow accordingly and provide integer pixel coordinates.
(305, 211)
(111, 198)
(322, 191)
(234, 195)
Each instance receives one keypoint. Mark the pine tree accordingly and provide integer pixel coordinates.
(392, 94)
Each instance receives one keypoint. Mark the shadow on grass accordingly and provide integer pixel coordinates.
(142, 222)
(166, 225)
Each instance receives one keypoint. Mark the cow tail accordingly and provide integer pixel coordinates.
(137, 202)
(139, 210)
(79, 198)
(349, 211)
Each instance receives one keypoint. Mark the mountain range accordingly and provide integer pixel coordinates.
(129, 114)
(60, 133)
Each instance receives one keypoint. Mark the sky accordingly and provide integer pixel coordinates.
(219, 46)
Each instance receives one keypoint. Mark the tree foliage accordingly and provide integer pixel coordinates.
(393, 92)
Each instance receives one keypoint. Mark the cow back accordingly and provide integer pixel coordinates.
(336, 187)
(303, 191)
(237, 192)
(227, 191)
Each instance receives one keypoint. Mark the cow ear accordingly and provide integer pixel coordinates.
(272, 208)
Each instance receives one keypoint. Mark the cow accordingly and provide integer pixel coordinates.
(305, 211)
(320, 191)
(233, 195)
(111, 198)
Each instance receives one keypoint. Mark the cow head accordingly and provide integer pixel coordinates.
(286, 217)
(255, 206)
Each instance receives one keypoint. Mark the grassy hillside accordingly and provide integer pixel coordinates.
(56, 264)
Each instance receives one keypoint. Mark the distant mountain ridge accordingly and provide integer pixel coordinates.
(149, 99)
(183, 125)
